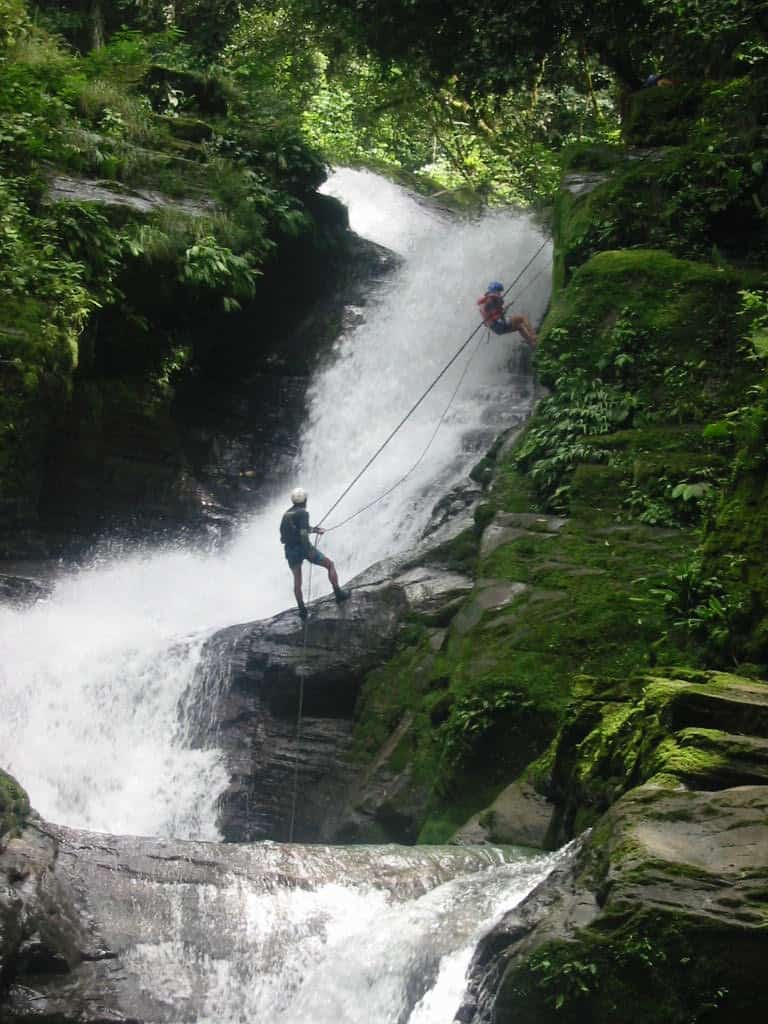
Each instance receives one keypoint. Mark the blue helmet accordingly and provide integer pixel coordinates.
(495, 286)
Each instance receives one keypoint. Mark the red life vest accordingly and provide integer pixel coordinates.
(491, 307)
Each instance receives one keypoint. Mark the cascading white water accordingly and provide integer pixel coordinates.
(91, 678)
(215, 934)
(335, 954)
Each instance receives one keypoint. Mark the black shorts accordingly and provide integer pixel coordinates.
(500, 326)
(296, 555)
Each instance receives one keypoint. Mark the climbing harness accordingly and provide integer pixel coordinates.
(381, 497)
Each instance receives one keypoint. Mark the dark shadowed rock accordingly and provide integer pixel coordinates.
(257, 675)
(20, 590)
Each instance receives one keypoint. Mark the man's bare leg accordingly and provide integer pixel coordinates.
(332, 574)
(297, 591)
(524, 328)
(338, 593)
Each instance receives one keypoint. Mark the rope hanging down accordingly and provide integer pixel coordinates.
(435, 432)
(418, 402)
(300, 714)
(379, 450)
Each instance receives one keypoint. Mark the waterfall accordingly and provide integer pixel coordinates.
(337, 954)
(224, 934)
(92, 677)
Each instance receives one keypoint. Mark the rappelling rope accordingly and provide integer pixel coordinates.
(300, 713)
(440, 422)
(416, 404)
(421, 457)
(369, 463)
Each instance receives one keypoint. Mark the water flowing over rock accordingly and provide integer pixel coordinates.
(97, 928)
(114, 649)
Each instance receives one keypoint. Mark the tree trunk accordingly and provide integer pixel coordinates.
(97, 25)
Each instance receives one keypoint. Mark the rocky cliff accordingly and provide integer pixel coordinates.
(668, 889)
(659, 916)
(280, 700)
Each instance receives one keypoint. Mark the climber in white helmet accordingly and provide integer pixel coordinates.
(294, 535)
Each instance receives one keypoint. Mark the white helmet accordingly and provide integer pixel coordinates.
(299, 496)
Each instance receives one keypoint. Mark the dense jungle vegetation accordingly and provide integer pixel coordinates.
(230, 110)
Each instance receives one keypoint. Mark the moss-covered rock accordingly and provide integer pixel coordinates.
(668, 116)
(631, 315)
(667, 896)
(643, 351)
(735, 548)
(697, 196)
(103, 287)
(462, 713)
(14, 806)
(698, 730)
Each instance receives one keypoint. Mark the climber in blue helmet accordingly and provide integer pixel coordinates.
(294, 535)
(495, 318)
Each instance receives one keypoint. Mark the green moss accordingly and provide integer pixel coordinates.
(388, 693)
(647, 342)
(581, 614)
(459, 554)
(14, 805)
(669, 116)
(513, 491)
(681, 761)
(592, 157)
(735, 544)
(663, 116)
(655, 729)
(693, 198)
(671, 308)
(706, 971)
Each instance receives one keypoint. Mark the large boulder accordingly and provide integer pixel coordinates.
(687, 728)
(280, 700)
(660, 915)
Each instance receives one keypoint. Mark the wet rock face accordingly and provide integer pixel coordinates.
(97, 928)
(666, 896)
(668, 893)
(77, 189)
(20, 590)
(256, 676)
